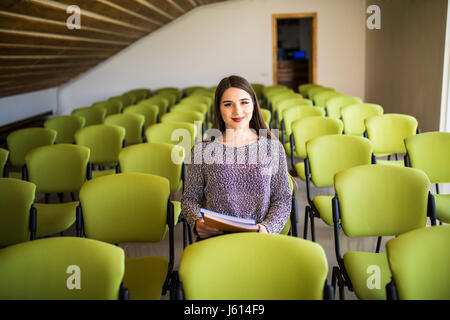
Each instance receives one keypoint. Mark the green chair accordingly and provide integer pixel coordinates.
(192, 106)
(17, 216)
(253, 266)
(354, 115)
(430, 152)
(20, 142)
(388, 132)
(176, 91)
(65, 126)
(325, 156)
(114, 106)
(321, 98)
(132, 207)
(267, 116)
(93, 116)
(313, 91)
(293, 113)
(125, 100)
(290, 228)
(133, 124)
(189, 90)
(359, 211)
(179, 133)
(335, 104)
(63, 268)
(194, 117)
(160, 101)
(290, 101)
(304, 130)
(170, 96)
(105, 142)
(149, 111)
(161, 159)
(258, 88)
(419, 261)
(57, 169)
(276, 94)
(4, 154)
(303, 88)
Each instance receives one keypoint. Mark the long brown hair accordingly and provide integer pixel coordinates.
(256, 122)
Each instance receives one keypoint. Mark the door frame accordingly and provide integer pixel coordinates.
(313, 63)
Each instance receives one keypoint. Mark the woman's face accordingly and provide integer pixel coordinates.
(236, 108)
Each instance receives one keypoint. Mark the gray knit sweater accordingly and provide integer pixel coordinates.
(248, 182)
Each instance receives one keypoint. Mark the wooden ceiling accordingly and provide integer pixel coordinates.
(39, 51)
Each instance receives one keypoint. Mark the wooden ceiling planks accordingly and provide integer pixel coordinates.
(39, 51)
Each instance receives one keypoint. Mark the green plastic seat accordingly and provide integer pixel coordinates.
(170, 96)
(105, 142)
(139, 93)
(4, 154)
(173, 90)
(287, 103)
(63, 268)
(335, 104)
(133, 124)
(313, 91)
(388, 132)
(326, 156)
(321, 98)
(20, 142)
(132, 207)
(267, 116)
(192, 106)
(420, 262)
(430, 152)
(354, 115)
(266, 267)
(179, 133)
(278, 94)
(303, 88)
(160, 101)
(65, 126)
(189, 90)
(111, 106)
(57, 169)
(92, 116)
(17, 216)
(258, 88)
(125, 100)
(358, 211)
(297, 112)
(306, 129)
(149, 111)
(194, 117)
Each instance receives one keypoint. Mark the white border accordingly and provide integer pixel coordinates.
(445, 98)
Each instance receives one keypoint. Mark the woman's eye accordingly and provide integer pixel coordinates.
(227, 104)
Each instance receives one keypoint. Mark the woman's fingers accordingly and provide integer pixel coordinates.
(205, 231)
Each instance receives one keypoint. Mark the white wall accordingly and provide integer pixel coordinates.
(232, 37)
(19, 107)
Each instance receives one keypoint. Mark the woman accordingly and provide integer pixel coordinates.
(242, 171)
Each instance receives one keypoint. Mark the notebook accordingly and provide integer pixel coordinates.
(228, 223)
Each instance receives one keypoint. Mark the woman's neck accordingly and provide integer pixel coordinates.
(238, 137)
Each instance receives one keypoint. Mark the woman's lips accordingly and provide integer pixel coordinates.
(238, 119)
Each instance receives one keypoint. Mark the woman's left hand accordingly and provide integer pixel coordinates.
(262, 229)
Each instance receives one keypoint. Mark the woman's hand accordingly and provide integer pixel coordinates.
(262, 229)
(205, 231)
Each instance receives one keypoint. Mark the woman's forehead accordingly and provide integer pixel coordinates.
(233, 93)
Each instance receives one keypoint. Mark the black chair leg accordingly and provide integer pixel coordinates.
(184, 234)
(313, 230)
(378, 245)
(305, 227)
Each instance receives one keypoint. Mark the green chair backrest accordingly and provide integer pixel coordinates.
(104, 141)
(125, 207)
(170, 96)
(283, 96)
(298, 112)
(312, 127)
(4, 154)
(313, 91)
(208, 100)
(303, 88)
(267, 116)
(362, 212)
(335, 104)
(190, 106)
(189, 90)
(322, 97)
(16, 198)
(420, 262)
(388, 132)
(149, 111)
(126, 100)
(20, 142)
(61, 268)
(193, 117)
(176, 91)
(133, 124)
(429, 152)
(277, 92)
(252, 266)
(268, 90)
(354, 115)
(161, 159)
(65, 126)
(111, 106)
(93, 116)
(257, 87)
(179, 133)
(285, 104)
(333, 153)
(160, 101)
(58, 168)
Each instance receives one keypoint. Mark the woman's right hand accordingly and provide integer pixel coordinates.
(205, 231)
